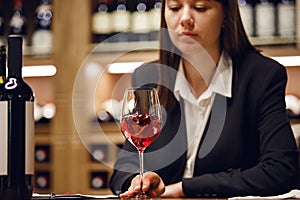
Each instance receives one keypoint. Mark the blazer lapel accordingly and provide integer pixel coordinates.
(213, 127)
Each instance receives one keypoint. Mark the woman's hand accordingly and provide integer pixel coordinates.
(173, 191)
(153, 185)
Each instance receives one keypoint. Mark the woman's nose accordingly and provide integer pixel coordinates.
(186, 19)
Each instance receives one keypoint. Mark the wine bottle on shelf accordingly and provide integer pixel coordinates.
(247, 12)
(2, 64)
(42, 35)
(286, 15)
(2, 29)
(265, 18)
(141, 21)
(155, 13)
(121, 21)
(42, 153)
(42, 180)
(99, 179)
(17, 128)
(102, 21)
(18, 23)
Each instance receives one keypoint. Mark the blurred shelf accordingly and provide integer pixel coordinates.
(154, 45)
(124, 46)
(42, 129)
(273, 41)
(284, 50)
(31, 60)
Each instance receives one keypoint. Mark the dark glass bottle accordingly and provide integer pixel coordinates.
(141, 21)
(2, 29)
(18, 23)
(2, 64)
(42, 180)
(265, 18)
(102, 21)
(286, 16)
(121, 21)
(247, 15)
(17, 128)
(42, 35)
(155, 13)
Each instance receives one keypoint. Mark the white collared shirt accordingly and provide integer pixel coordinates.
(197, 111)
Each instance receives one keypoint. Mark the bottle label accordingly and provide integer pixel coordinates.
(29, 156)
(140, 22)
(247, 18)
(11, 84)
(265, 24)
(102, 23)
(286, 20)
(121, 20)
(155, 18)
(42, 42)
(4, 137)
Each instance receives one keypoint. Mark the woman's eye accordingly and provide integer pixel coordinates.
(174, 8)
(200, 8)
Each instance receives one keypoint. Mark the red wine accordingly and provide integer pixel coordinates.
(17, 128)
(141, 130)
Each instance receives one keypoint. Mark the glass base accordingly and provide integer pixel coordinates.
(142, 196)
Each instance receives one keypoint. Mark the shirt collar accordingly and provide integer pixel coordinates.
(221, 82)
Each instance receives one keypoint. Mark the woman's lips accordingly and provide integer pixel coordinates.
(189, 36)
(189, 33)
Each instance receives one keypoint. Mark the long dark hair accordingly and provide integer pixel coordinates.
(234, 41)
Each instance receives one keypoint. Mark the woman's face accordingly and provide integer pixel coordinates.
(193, 22)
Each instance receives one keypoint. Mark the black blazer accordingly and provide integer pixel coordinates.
(247, 148)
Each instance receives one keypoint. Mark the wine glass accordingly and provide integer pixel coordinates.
(141, 121)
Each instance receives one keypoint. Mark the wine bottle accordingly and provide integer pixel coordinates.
(102, 21)
(265, 18)
(17, 23)
(155, 13)
(99, 179)
(2, 64)
(141, 21)
(121, 21)
(42, 35)
(2, 40)
(247, 11)
(286, 12)
(17, 128)
(42, 153)
(42, 180)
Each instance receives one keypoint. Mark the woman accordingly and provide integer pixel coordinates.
(226, 131)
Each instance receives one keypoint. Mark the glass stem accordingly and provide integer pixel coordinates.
(141, 159)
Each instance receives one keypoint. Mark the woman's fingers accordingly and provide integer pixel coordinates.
(152, 185)
(133, 189)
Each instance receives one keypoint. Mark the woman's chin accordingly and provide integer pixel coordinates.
(188, 47)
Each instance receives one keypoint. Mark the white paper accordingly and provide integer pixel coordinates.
(293, 194)
(53, 196)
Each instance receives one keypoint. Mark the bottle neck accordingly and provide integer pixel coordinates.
(14, 56)
(45, 1)
(2, 61)
(18, 4)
